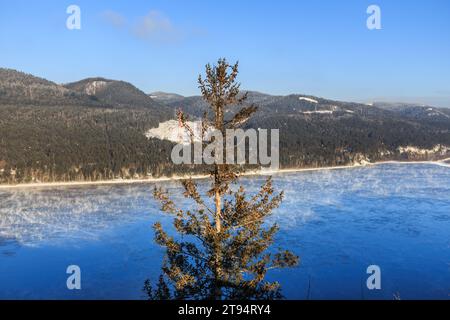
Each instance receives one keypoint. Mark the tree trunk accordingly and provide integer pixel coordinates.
(218, 211)
(218, 203)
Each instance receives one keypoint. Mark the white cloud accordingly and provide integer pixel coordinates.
(156, 27)
(114, 18)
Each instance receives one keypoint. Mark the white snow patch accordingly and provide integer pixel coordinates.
(308, 99)
(438, 149)
(172, 131)
(91, 88)
(434, 112)
(319, 112)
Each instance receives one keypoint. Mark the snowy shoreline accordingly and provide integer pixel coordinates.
(442, 162)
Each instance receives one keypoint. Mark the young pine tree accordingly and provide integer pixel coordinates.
(222, 250)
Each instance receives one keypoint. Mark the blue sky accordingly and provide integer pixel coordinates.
(317, 47)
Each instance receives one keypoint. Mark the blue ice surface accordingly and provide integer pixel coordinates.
(339, 222)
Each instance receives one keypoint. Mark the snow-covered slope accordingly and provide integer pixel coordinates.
(172, 131)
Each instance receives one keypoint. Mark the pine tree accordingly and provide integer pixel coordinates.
(222, 250)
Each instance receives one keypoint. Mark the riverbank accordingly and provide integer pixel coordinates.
(443, 162)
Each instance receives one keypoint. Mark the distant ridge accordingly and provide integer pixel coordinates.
(165, 97)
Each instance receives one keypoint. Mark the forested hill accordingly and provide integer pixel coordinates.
(20, 89)
(95, 129)
(89, 130)
(118, 94)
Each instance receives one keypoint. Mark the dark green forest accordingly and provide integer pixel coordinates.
(87, 132)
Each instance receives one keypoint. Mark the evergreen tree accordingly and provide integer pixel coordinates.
(223, 252)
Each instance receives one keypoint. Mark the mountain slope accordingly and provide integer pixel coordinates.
(50, 132)
(414, 112)
(20, 89)
(119, 94)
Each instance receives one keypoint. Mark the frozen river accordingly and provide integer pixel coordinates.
(339, 222)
